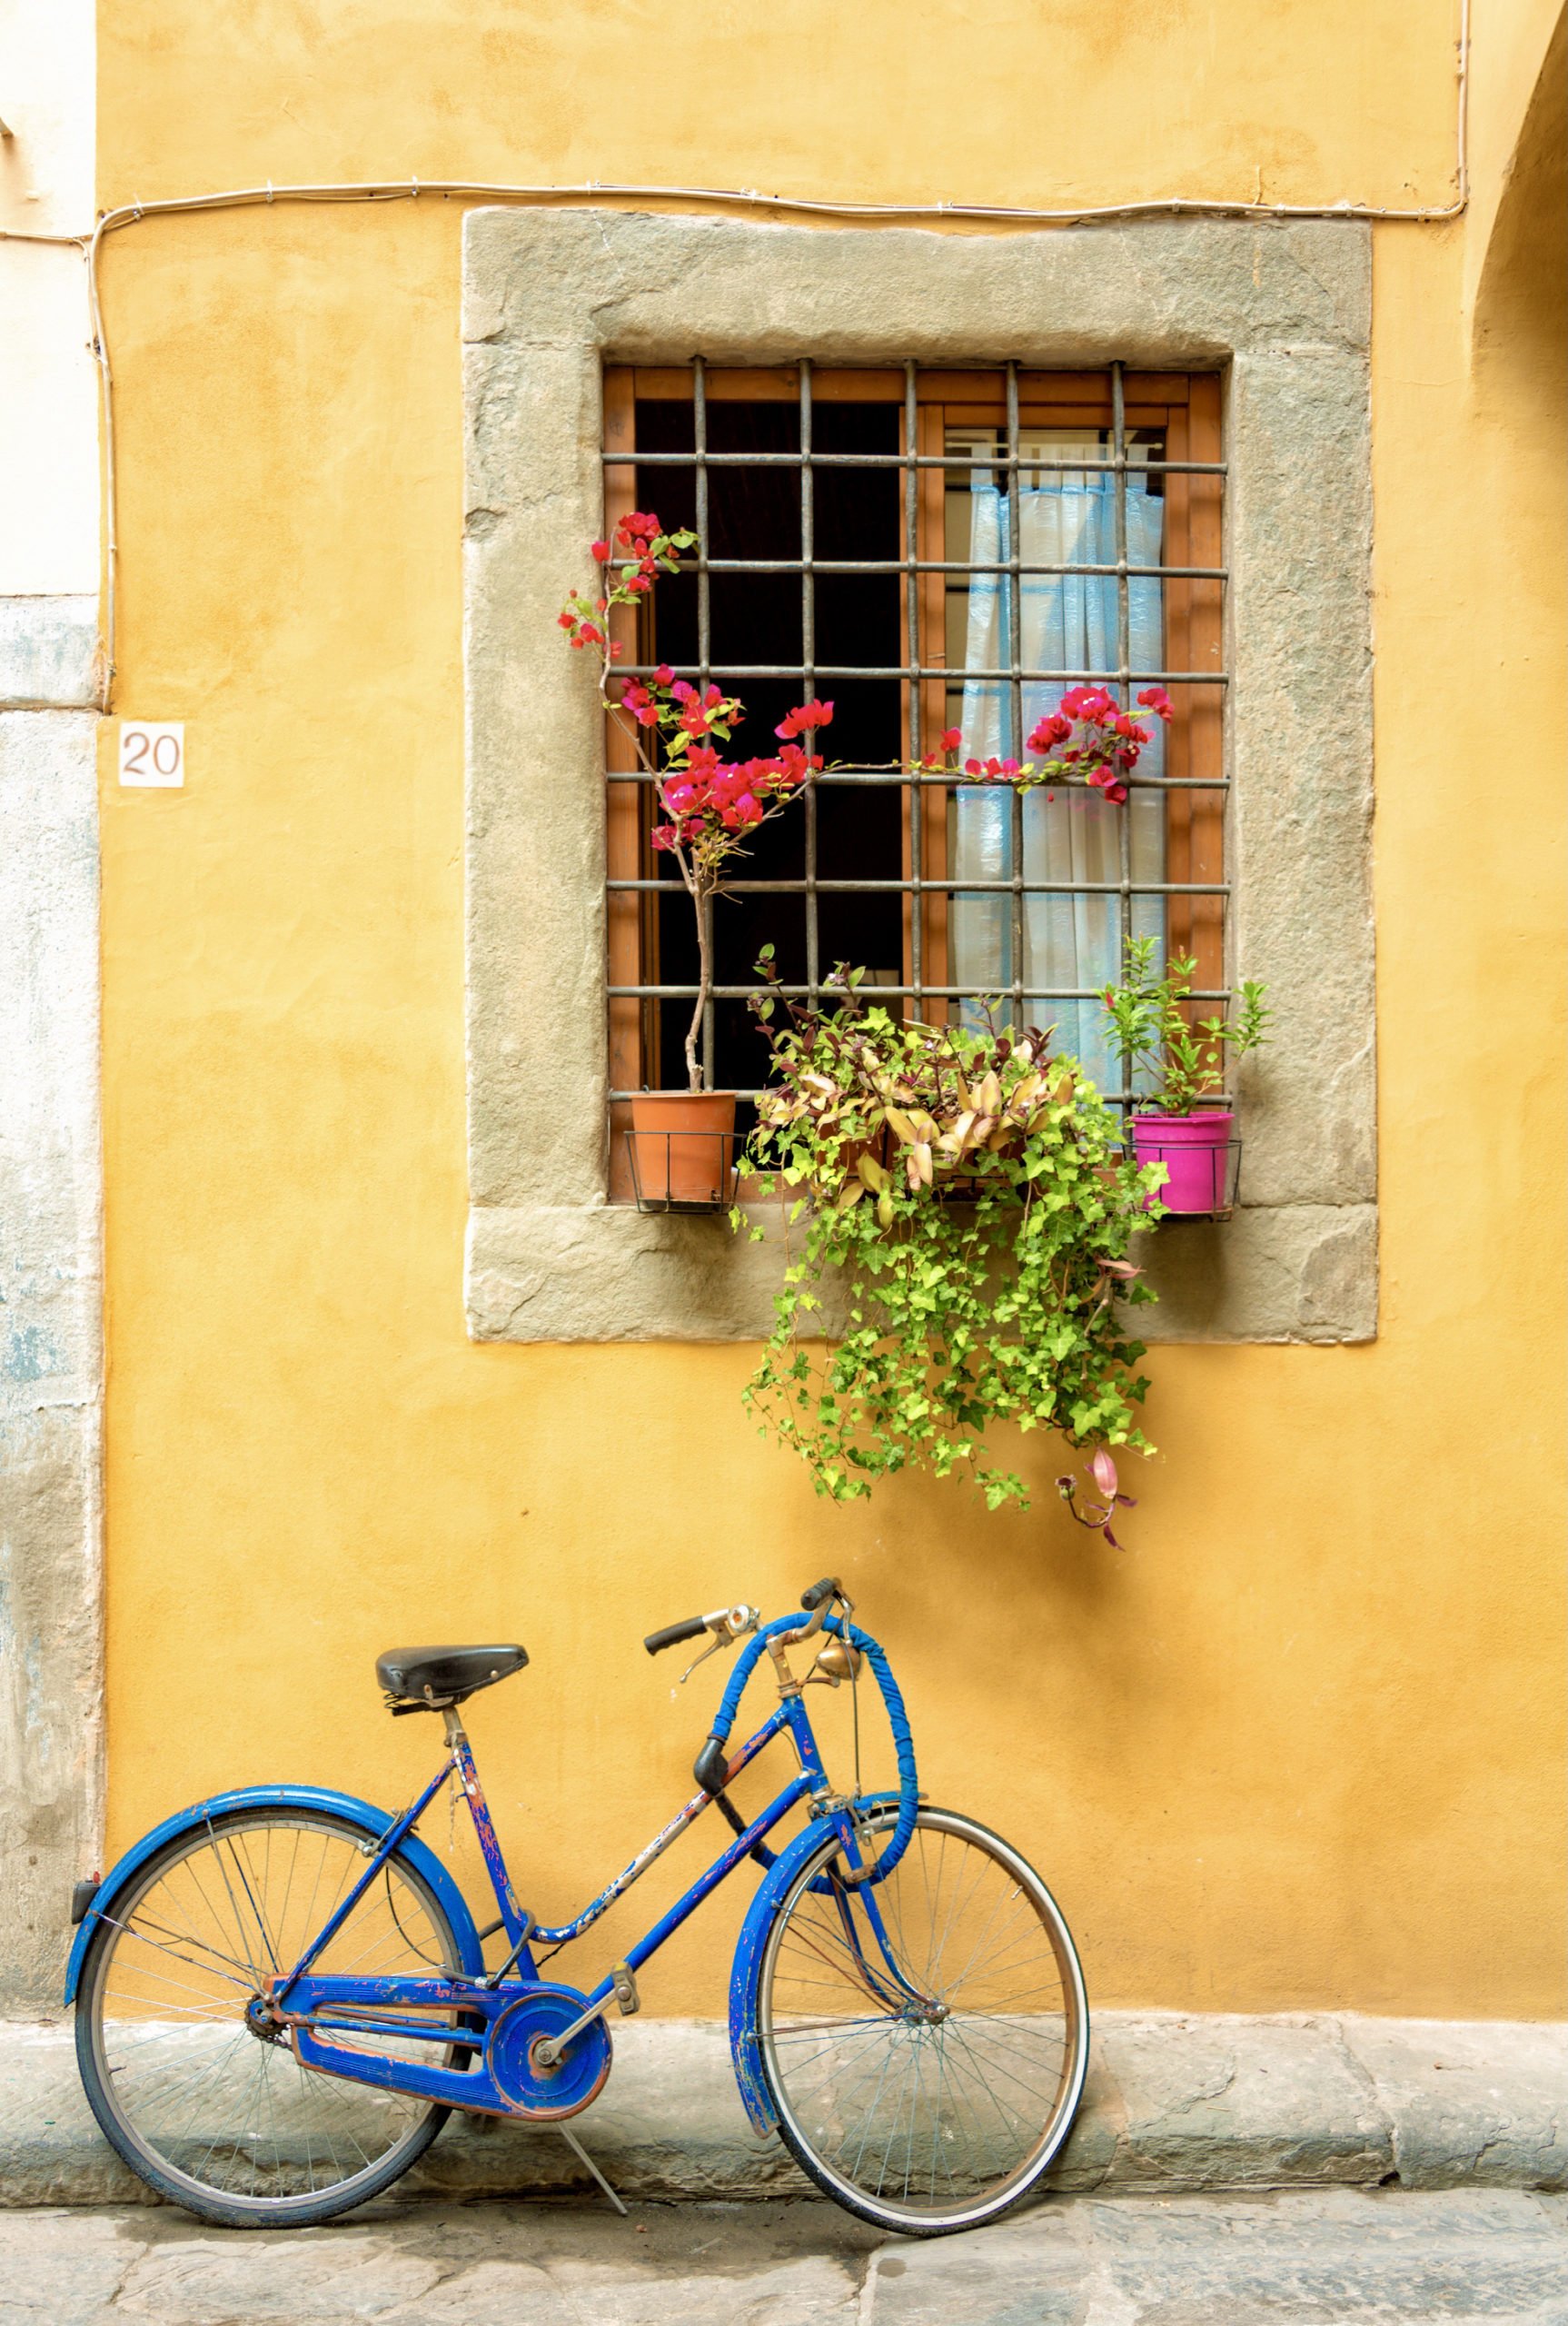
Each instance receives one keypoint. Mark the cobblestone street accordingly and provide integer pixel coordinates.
(1331, 2258)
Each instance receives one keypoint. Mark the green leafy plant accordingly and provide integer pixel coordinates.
(1151, 1034)
(972, 1193)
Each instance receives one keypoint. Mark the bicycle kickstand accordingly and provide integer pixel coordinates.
(578, 2150)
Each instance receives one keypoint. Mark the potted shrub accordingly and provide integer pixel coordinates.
(999, 1306)
(1185, 1064)
(683, 1140)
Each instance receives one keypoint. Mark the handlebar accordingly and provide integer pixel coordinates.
(673, 1634)
(790, 1626)
(727, 1625)
(730, 1623)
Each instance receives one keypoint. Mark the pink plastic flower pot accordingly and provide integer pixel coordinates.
(1196, 1152)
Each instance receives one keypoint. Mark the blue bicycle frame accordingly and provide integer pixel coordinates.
(314, 2008)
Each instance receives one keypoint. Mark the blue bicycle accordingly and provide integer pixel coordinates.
(281, 1992)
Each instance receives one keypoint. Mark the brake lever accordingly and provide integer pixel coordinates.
(728, 1624)
(707, 1652)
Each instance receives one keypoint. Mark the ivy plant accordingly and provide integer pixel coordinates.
(970, 1191)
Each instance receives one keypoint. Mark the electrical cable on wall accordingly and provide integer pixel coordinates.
(596, 192)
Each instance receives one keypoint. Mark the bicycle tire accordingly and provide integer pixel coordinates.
(215, 2118)
(941, 2105)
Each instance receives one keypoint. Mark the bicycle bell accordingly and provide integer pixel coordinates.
(839, 1661)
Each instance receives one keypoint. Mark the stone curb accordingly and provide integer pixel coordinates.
(1171, 2105)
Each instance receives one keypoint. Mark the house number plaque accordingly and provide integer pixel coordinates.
(153, 754)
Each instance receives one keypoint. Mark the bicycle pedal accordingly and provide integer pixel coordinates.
(626, 1994)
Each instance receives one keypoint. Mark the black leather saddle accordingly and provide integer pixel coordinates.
(424, 1678)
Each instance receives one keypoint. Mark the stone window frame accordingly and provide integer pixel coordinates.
(550, 299)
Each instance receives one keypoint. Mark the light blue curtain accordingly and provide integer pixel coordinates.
(1067, 621)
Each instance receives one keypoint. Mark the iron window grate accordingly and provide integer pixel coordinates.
(914, 674)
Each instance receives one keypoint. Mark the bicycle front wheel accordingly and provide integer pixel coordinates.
(925, 2038)
(214, 2115)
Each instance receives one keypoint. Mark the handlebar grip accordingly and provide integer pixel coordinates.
(827, 1589)
(673, 1634)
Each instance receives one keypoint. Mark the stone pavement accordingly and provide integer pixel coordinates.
(1172, 2104)
(1337, 2257)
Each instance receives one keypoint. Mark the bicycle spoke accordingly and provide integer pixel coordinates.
(944, 2107)
(184, 2082)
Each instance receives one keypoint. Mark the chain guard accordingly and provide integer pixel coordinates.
(545, 2095)
(492, 2030)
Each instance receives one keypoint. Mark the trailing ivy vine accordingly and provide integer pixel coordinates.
(971, 1192)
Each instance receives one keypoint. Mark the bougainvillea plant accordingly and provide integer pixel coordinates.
(966, 1210)
(711, 805)
(1089, 739)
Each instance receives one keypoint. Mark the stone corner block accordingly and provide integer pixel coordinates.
(1469, 2104)
(1223, 2102)
(1285, 1272)
(48, 653)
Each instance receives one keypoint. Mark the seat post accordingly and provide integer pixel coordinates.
(455, 1732)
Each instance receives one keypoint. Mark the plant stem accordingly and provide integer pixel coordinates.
(704, 983)
(694, 885)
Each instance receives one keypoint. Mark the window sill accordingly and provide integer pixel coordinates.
(606, 1272)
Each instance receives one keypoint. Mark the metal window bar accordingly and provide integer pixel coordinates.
(704, 643)
(910, 461)
(916, 707)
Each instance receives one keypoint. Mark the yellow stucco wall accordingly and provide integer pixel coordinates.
(1301, 1743)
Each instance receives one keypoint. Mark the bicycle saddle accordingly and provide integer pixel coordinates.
(443, 1675)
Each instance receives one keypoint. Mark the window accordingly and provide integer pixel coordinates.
(1272, 325)
(930, 549)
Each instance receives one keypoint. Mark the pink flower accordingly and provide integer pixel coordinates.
(1091, 703)
(806, 715)
(1156, 699)
(663, 836)
(1051, 731)
(664, 676)
(600, 551)
(952, 738)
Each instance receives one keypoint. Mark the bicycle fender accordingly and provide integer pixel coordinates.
(747, 1967)
(371, 1821)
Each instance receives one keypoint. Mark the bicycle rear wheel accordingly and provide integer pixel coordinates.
(215, 2116)
(925, 2038)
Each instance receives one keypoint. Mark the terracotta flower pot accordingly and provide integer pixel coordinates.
(684, 1145)
(1196, 1151)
